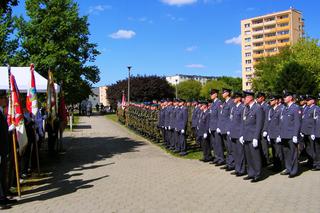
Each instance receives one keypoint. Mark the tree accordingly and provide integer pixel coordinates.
(55, 37)
(189, 89)
(5, 5)
(234, 83)
(214, 84)
(142, 88)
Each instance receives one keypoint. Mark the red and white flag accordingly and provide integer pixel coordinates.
(32, 102)
(123, 102)
(15, 115)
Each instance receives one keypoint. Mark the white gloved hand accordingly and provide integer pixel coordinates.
(294, 139)
(278, 140)
(268, 138)
(169, 127)
(218, 130)
(11, 128)
(264, 134)
(205, 135)
(209, 130)
(301, 134)
(228, 133)
(165, 128)
(241, 140)
(255, 143)
(176, 129)
(182, 131)
(313, 137)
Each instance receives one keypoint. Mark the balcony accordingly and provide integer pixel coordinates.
(286, 36)
(284, 20)
(283, 28)
(257, 32)
(266, 23)
(257, 40)
(258, 47)
(272, 30)
(270, 46)
(270, 53)
(283, 44)
(257, 24)
(258, 55)
(271, 38)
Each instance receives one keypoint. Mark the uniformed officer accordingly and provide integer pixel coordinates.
(261, 97)
(252, 124)
(235, 128)
(213, 125)
(301, 146)
(161, 123)
(173, 125)
(195, 118)
(307, 126)
(316, 140)
(273, 129)
(222, 131)
(181, 125)
(203, 131)
(167, 123)
(290, 122)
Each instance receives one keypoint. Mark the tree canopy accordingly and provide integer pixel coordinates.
(213, 84)
(189, 89)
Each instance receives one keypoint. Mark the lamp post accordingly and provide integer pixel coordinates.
(176, 88)
(129, 69)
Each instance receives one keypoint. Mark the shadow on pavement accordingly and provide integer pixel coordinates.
(64, 171)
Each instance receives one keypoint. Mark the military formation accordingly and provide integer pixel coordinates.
(242, 132)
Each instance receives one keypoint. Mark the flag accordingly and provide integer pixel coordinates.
(62, 111)
(51, 99)
(32, 102)
(15, 115)
(123, 103)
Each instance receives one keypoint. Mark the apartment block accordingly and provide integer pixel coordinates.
(265, 36)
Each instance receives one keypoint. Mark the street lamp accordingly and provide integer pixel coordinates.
(129, 69)
(176, 88)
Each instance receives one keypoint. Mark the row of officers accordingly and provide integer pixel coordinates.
(238, 131)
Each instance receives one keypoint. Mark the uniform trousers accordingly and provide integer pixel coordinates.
(238, 155)
(218, 144)
(277, 154)
(265, 151)
(316, 161)
(290, 152)
(182, 143)
(253, 159)
(206, 148)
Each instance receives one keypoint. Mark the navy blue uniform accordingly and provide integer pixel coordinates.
(316, 142)
(167, 116)
(203, 128)
(213, 124)
(181, 124)
(264, 142)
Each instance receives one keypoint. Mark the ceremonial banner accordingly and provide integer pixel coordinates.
(32, 102)
(15, 115)
(123, 103)
(51, 99)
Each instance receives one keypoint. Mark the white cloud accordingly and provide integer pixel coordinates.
(178, 2)
(197, 66)
(191, 48)
(98, 9)
(123, 34)
(141, 19)
(234, 40)
(173, 18)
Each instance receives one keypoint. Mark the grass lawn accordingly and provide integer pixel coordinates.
(193, 152)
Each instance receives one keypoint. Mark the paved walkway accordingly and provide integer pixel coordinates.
(108, 169)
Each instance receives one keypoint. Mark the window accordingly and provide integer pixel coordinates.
(283, 40)
(283, 32)
(258, 36)
(270, 42)
(258, 44)
(248, 83)
(247, 47)
(247, 39)
(247, 32)
(248, 77)
(269, 27)
(248, 54)
(246, 25)
(270, 34)
(248, 61)
(248, 69)
(269, 19)
(257, 21)
(283, 24)
(283, 16)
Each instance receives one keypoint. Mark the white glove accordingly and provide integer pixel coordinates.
(209, 130)
(218, 130)
(264, 134)
(162, 127)
(11, 128)
(241, 140)
(205, 135)
(176, 129)
(169, 127)
(255, 143)
(278, 140)
(294, 139)
(301, 134)
(268, 138)
(165, 128)
(228, 133)
(313, 137)
(182, 131)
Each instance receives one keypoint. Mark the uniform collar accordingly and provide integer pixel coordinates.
(250, 105)
(238, 104)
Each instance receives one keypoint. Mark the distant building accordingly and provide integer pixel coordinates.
(176, 79)
(94, 98)
(103, 96)
(266, 35)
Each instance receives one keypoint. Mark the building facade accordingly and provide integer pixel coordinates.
(265, 36)
(103, 96)
(176, 79)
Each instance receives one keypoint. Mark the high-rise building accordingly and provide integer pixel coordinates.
(264, 36)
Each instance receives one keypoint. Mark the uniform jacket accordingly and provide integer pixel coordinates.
(316, 127)
(236, 120)
(265, 108)
(167, 115)
(173, 117)
(224, 116)
(203, 125)
(308, 120)
(4, 136)
(214, 114)
(195, 116)
(273, 121)
(252, 122)
(290, 121)
(182, 118)
(162, 117)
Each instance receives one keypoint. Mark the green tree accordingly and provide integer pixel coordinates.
(56, 37)
(189, 89)
(234, 83)
(214, 84)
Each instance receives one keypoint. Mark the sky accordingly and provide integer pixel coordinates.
(168, 37)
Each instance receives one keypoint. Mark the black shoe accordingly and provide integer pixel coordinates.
(201, 160)
(315, 169)
(212, 162)
(241, 174)
(234, 173)
(284, 173)
(229, 169)
(224, 167)
(256, 179)
(7, 201)
(206, 160)
(220, 163)
(292, 176)
(247, 178)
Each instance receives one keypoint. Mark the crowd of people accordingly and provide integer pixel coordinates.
(243, 132)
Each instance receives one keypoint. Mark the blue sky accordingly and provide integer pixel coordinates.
(166, 37)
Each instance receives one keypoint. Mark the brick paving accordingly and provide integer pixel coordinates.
(106, 168)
